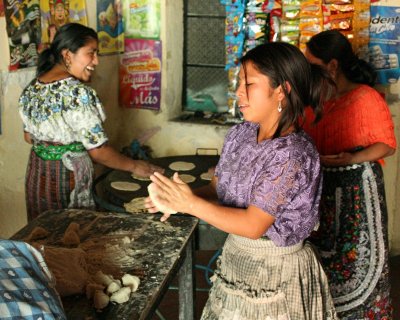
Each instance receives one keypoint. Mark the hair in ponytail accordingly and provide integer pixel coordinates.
(304, 85)
(322, 88)
(332, 44)
(46, 62)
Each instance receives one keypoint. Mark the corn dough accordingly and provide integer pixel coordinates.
(131, 281)
(153, 194)
(71, 235)
(37, 233)
(125, 186)
(69, 268)
(136, 205)
(181, 166)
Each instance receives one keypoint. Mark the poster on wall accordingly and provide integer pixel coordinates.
(23, 31)
(384, 44)
(56, 13)
(1, 8)
(142, 19)
(140, 74)
(110, 27)
(1, 99)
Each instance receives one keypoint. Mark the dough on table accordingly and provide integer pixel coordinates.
(187, 178)
(121, 296)
(153, 194)
(71, 235)
(140, 178)
(136, 205)
(71, 238)
(181, 166)
(100, 300)
(69, 267)
(91, 288)
(103, 279)
(113, 287)
(38, 233)
(125, 186)
(131, 281)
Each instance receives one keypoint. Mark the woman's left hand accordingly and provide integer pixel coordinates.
(173, 194)
(337, 160)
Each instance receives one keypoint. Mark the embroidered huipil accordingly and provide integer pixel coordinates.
(64, 112)
(280, 176)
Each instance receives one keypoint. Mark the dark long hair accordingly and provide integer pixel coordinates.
(71, 36)
(331, 44)
(284, 63)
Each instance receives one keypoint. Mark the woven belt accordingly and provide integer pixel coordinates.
(55, 152)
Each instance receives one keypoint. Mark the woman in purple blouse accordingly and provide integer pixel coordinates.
(267, 185)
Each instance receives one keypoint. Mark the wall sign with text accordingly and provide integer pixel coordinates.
(140, 74)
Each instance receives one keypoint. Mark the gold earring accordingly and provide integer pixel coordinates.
(280, 107)
(67, 65)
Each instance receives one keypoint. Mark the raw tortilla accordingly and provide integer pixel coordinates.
(136, 205)
(206, 176)
(160, 207)
(187, 178)
(125, 186)
(140, 178)
(181, 166)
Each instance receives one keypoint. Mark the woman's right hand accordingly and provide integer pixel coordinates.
(145, 169)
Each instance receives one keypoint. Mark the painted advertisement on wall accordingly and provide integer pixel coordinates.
(23, 31)
(56, 13)
(110, 27)
(140, 74)
(384, 45)
(1, 8)
(142, 19)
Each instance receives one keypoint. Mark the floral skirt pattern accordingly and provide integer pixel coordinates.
(353, 241)
(255, 279)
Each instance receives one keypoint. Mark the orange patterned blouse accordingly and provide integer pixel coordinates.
(360, 118)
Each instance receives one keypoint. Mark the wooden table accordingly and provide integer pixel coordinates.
(158, 251)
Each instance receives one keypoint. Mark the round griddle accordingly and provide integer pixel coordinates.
(112, 199)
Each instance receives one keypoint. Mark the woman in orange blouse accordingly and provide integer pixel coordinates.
(353, 133)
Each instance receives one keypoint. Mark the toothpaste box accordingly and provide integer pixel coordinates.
(384, 45)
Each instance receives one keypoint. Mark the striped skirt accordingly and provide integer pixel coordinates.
(58, 184)
(255, 279)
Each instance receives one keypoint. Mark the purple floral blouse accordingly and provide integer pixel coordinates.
(280, 176)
